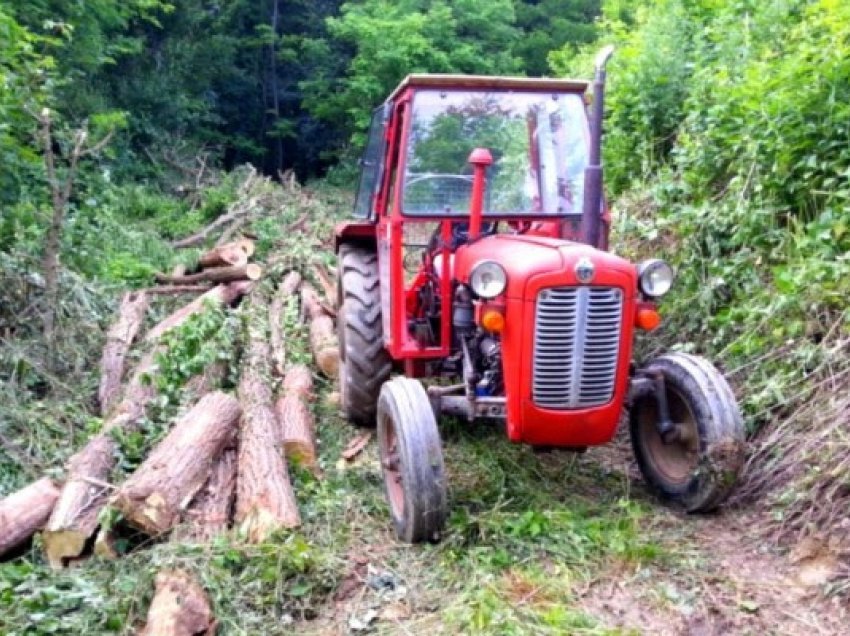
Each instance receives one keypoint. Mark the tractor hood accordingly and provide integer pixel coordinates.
(525, 257)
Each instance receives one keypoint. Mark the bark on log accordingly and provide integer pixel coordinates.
(251, 271)
(323, 339)
(264, 498)
(118, 341)
(224, 256)
(74, 518)
(276, 310)
(209, 513)
(295, 418)
(154, 497)
(220, 295)
(25, 512)
(180, 607)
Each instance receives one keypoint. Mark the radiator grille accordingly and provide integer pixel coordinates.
(576, 346)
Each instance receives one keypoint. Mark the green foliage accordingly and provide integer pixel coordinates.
(393, 39)
(727, 147)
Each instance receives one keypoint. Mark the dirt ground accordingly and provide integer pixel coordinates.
(732, 580)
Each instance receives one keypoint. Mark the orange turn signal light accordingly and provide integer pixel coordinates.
(647, 318)
(493, 320)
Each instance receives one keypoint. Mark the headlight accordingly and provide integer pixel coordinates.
(655, 277)
(488, 279)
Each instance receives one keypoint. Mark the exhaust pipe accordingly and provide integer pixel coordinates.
(592, 212)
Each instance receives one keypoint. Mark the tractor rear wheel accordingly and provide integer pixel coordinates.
(364, 362)
(412, 460)
(698, 466)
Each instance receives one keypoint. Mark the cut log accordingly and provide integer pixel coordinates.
(174, 290)
(251, 271)
(276, 314)
(23, 513)
(154, 497)
(219, 295)
(209, 513)
(118, 341)
(75, 517)
(180, 607)
(295, 418)
(247, 246)
(327, 284)
(323, 339)
(264, 498)
(224, 255)
(104, 545)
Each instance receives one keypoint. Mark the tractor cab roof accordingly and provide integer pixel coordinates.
(484, 82)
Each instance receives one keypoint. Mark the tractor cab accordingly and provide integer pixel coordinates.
(476, 272)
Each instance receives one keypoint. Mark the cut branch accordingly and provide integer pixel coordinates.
(118, 341)
(154, 497)
(174, 290)
(251, 271)
(25, 512)
(179, 607)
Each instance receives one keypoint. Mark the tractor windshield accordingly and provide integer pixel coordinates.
(539, 143)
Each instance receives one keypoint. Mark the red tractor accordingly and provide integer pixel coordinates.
(478, 261)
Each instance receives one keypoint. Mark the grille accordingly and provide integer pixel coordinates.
(576, 346)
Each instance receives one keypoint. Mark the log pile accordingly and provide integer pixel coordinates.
(221, 264)
(220, 467)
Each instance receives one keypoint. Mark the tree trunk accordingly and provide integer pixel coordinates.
(75, 516)
(118, 341)
(209, 513)
(323, 339)
(276, 314)
(264, 498)
(295, 418)
(251, 271)
(230, 254)
(154, 497)
(179, 608)
(219, 295)
(25, 512)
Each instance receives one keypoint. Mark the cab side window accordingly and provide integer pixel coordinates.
(372, 164)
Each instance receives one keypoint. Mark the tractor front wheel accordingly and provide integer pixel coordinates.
(364, 362)
(412, 461)
(698, 463)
